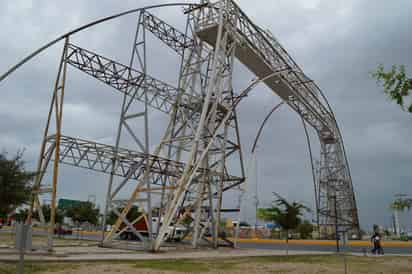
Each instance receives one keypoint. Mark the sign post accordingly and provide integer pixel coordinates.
(22, 231)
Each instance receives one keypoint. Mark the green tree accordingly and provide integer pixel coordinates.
(15, 183)
(83, 212)
(305, 229)
(395, 84)
(22, 214)
(132, 215)
(46, 209)
(401, 204)
(286, 214)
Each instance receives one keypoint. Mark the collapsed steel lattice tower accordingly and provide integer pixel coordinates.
(189, 168)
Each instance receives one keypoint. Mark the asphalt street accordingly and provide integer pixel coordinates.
(306, 247)
(273, 246)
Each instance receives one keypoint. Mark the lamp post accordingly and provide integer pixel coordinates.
(336, 223)
(254, 160)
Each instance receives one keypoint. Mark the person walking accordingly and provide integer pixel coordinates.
(377, 246)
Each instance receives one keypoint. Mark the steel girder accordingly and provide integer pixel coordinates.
(162, 96)
(172, 37)
(195, 132)
(264, 55)
(201, 119)
(131, 81)
(99, 157)
(217, 93)
(55, 116)
(193, 171)
(134, 83)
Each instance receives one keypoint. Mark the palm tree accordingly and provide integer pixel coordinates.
(286, 214)
(400, 204)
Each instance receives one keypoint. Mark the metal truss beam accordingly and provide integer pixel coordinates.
(132, 82)
(263, 55)
(290, 82)
(172, 37)
(87, 26)
(162, 96)
(99, 157)
(190, 168)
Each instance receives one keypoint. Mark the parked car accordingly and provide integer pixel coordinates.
(62, 230)
(174, 233)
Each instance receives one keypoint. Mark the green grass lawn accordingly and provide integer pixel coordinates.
(274, 264)
(8, 238)
(37, 267)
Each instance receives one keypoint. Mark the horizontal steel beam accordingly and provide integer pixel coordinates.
(171, 36)
(161, 95)
(100, 157)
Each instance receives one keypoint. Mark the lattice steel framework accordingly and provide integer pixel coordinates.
(189, 168)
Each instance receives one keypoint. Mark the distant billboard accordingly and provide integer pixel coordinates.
(65, 204)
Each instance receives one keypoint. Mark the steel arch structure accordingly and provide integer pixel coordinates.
(189, 168)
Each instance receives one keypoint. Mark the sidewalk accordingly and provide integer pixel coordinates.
(91, 254)
(362, 243)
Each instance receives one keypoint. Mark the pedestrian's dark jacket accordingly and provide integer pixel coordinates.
(376, 238)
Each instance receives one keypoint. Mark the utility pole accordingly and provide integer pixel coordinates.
(336, 222)
(254, 168)
(254, 163)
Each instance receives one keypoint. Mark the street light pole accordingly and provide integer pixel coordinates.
(336, 223)
(254, 160)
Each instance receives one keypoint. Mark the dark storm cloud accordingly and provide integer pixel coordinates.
(336, 42)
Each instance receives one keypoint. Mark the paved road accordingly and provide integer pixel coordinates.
(305, 247)
(279, 246)
(295, 247)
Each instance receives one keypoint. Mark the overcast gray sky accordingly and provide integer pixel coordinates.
(337, 43)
